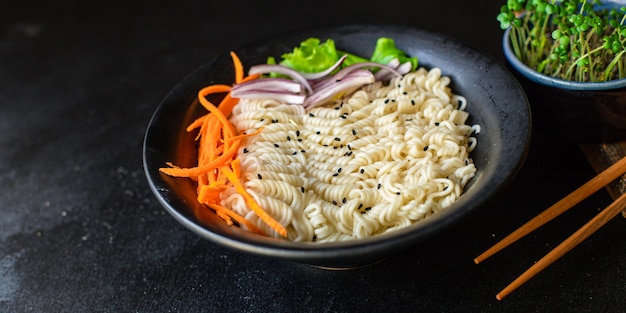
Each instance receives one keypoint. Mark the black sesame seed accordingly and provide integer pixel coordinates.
(337, 139)
(393, 100)
(334, 202)
(336, 174)
(325, 145)
(297, 133)
(343, 200)
(245, 150)
(339, 170)
(436, 123)
(362, 212)
(412, 102)
(360, 206)
(274, 121)
(276, 145)
(398, 193)
(318, 132)
(311, 115)
(337, 108)
(302, 189)
(343, 117)
(354, 132)
(349, 148)
(261, 120)
(303, 151)
(445, 188)
(288, 138)
(368, 208)
(362, 171)
(300, 139)
(379, 185)
(405, 93)
(259, 176)
(425, 148)
(335, 147)
(386, 101)
(295, 152)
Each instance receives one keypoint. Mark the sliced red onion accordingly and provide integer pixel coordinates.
(394, 63)
(404, 67)
(282, 96)
(318, 75)
(385, 75)
(281, 69)
(350, 82)
(276, 84)
(357, 66)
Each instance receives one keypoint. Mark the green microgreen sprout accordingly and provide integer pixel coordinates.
(575, 40)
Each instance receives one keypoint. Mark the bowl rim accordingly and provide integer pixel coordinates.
(326, 253)
(543, 79)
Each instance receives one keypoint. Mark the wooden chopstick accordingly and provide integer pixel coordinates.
(581, 193)
(568, 244)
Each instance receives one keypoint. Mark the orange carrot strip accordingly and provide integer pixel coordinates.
(212, 89)
(242, 136)
(202, 214)
(202, 169)
(224, 217)
(228, 103)
(270, 221)
(210, 193)
(209, 141)
(238, 218)
(228, 127)
(196, 123)
(238, 67)
(236, 167)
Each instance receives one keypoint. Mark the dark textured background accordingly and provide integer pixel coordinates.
(80, 230)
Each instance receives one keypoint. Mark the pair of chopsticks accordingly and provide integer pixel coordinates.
(584, 191)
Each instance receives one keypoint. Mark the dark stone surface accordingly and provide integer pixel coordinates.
(80, 230)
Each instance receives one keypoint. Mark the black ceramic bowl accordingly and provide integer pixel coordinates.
(496, 102)
(579, 112)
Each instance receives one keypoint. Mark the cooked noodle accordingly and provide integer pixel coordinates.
(388, 156)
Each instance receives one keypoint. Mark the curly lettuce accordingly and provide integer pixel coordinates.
(386, 50)
(313, 55)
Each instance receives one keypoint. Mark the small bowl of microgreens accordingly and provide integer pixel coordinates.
(570, 58)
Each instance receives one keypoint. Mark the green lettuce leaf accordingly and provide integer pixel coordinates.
(386, 50)
(312, 56)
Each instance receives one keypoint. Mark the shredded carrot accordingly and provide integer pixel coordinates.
(229, 102)
(218, 166)
(238, 218)
(238, 67)
(252, 204)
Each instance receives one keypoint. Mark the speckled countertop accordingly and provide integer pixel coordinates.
(80, 230)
